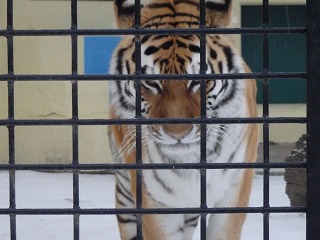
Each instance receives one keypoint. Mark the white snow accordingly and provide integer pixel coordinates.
(54, 190)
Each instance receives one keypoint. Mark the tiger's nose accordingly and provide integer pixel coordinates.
(177, 131)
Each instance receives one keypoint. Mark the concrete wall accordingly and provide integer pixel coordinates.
(3, 90)
(52, 100)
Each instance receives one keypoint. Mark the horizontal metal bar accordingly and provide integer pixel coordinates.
(113, 211)
(149, 166)
(182, 31)
(147, 121)
(109, 77)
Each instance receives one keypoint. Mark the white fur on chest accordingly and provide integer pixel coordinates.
(181, 188)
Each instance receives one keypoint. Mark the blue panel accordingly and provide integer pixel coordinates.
(97, 54)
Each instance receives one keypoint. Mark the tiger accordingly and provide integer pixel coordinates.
(180, 143)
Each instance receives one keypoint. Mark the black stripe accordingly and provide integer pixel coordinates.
(166, 45)
(188, 221)
(211, 66)
(180, 60)
(162, 183)
(119, 57)
(145, 38)
(227, 51)
(225, 84)
(156, 60)
(188, 2)
(230, 95)
(218, 6)
(157, 24)
(181, 44)
(192, 23)
(160, 17)
(222, 129)
(160, 37)
(173, 24)
(128, 197)
(126, 220)
(189, 58)
(165, 159)
(144, 69)
(163, 63)
(193, 84)
(187, 37)
(161, 5)
(123, 102)
(212, 87)
(120, 202)
(121, 174)
(155, 174)
(213, 54)
(182, 70)
(148, 193)
(232, 155)
(133, 57)
(152, 84)
(126, 89)
(220, 67)
(124, 188)
(194, 48)
(128, 67)
(151, 50)
(187, 15)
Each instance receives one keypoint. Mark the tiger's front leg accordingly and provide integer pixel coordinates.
(124, 199)
(164, 227)
(158, 227)
(167, 227)
(154, 227)
(229, 226)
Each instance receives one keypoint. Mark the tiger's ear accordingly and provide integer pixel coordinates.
(218, 13)
(124, 13)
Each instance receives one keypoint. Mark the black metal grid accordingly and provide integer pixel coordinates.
(312, 120)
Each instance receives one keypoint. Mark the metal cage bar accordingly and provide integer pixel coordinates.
(84, 32)
(313, 120)
(172, 77)
(113, 211)
(75, 116)
(203, 127)
(137, 39)
(265, 129)
(11, 129)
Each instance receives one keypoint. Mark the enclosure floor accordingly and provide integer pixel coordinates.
(54, 190)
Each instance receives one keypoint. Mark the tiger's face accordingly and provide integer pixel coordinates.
(178, 98)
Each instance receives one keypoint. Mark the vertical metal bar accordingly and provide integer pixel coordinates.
(313, 120)
(203, 128)
(266, 172)
(137, 25)
(75, 116)
(11, 129)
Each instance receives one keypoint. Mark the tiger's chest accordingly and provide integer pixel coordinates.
(178, 187)
(170, 189)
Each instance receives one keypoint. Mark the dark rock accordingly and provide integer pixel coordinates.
(295, 177)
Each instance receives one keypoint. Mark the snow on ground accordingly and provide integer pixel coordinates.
(54, 190)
